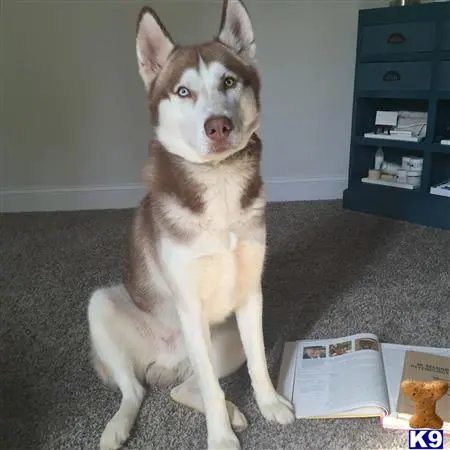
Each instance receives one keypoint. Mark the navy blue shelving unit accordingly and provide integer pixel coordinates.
(413, 43)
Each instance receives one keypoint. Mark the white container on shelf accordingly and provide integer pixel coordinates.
(415, 163)
(390, 168)
(413, 177)
(379, 158)
(412, 163)
(402, 176)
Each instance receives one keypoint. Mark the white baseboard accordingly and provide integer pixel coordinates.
(72, 198)
(128, 196)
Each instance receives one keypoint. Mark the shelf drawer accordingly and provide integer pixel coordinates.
(445, 44)
(444, 76)
(395, 76)
(398, 38)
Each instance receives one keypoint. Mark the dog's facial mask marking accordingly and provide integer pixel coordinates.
(204, 99)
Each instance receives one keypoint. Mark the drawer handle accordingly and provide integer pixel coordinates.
(396, 38)
(391, 75)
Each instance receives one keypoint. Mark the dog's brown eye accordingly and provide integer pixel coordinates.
(229, 82)
(183, 92)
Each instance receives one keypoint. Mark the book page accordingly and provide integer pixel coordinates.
(422, 366)
(286, 376)
(393, 357)
(342, 376)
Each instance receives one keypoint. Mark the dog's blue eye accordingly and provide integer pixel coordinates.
(229, 82)
(183, 91)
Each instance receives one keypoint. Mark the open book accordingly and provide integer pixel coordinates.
(358, 376)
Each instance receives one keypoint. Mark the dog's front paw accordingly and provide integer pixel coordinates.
(223, 441)
(277, 409)
(115, 434)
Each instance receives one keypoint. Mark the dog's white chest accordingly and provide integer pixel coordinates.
(222, 200)
(221, 267)
(216, 284)
(226, 278)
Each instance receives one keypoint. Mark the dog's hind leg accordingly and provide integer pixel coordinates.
(227, 356)
(113, 363)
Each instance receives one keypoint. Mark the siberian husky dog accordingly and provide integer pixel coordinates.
(190, 310)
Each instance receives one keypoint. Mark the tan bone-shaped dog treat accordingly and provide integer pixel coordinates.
(425, 395)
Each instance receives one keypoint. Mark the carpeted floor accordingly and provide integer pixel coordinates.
(329, 273)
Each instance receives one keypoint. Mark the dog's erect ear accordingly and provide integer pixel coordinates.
(153, 45)
(236, 29)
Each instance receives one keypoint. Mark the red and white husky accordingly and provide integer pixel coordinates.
(190, 310)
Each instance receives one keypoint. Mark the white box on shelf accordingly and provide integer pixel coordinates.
(445, 142)
(409, 126)
(442, 189)
(386, 118)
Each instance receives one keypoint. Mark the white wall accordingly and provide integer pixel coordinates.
(74, 118)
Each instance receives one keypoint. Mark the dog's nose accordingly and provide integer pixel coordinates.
(218, 128)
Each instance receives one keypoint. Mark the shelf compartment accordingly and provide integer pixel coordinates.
(366, 109)
(440, 168)
(442, 123)
(363, 160)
